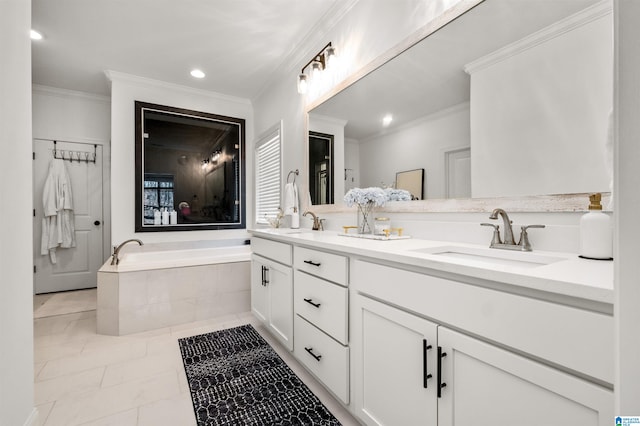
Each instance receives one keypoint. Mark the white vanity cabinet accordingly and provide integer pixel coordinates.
(321, 317)
(400, 378)
(272, 287)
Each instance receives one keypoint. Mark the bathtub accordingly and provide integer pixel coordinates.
(162, 285)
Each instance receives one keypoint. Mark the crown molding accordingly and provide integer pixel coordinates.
(554, 30)
(69, 94)
(149, 82)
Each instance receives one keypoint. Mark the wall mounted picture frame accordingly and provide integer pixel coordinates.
(412, 181)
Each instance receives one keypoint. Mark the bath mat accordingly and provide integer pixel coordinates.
(236, 378)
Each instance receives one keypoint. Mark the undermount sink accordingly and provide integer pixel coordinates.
(492, 256)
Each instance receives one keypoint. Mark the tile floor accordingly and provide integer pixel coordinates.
(82, 378)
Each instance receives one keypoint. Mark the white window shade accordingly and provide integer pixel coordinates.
(268, 175)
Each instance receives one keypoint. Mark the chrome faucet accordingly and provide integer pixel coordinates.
(509, 243)
(317, 222)
(114, 258)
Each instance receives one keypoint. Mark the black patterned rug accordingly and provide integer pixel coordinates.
(236, 378)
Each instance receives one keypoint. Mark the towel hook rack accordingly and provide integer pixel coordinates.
(295, 172)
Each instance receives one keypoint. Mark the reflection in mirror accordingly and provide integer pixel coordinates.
(321, 168)
(510, 99)
(189, 170)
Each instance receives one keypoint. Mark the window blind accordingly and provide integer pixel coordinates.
(268, 176)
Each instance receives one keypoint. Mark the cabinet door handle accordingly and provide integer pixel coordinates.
(310, 301)
(262, 278)
(311, 262)
(310, 351)
(441, 384)
(265, 281)
(425, 373)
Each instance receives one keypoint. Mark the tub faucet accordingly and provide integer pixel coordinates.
(317, 222)
(114, 258)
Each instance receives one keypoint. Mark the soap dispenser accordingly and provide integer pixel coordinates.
(596, 233)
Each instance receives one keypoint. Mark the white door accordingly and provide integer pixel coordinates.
(458, 173)
(76, 267)
(488, 386)
(396, 366)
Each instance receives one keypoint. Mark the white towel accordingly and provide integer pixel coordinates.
(291, 205)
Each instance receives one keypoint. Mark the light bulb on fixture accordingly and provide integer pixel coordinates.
(316, 69)
(302, 84)
(386, 120)
(330, 55)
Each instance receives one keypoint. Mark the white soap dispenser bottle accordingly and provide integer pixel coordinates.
(596, 233)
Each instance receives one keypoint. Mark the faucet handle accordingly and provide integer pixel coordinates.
(524, 243)
(496, 233)
(321, 222)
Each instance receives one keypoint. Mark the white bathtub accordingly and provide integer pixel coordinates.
(157, 286)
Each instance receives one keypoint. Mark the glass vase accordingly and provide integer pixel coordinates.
(365, 218)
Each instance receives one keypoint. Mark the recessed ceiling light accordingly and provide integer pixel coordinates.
(197, 74)
(387, 120)
(35, 35)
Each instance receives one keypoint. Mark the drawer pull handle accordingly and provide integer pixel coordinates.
(310, 301)
(440, 383)
(310, 351)
(426, 376)
(311, 262)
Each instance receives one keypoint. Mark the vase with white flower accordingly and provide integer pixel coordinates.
(366, 199)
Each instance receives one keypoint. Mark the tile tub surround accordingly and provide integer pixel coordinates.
(135, 301)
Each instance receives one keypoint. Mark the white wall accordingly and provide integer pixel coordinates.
(418, 145)
(538, 111)
(125, 90)
(72, 116)
(16, 248)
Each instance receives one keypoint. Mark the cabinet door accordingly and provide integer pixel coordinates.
(272, 297)
(280, 283)
(395, 363)
(487, 386)
(259, 291)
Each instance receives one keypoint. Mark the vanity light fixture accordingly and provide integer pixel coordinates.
(321, 61)
(35, 35)
(197, 73)
(205, 162)
(386, 120)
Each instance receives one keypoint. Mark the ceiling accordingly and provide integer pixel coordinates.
(241, 45)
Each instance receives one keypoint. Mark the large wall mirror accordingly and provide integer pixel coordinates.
(510, 99)
(189, 170)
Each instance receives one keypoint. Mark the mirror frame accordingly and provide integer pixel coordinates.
(577, 202)
(140, 107)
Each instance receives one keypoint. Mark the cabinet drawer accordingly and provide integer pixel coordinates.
(332, 267)
(280, 252)
(327, 359)
(322, 303)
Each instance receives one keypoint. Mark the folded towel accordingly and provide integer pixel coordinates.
(291, 205)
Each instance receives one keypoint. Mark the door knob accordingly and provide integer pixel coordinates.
(96, 223)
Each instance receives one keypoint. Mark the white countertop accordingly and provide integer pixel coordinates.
(569, 275)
